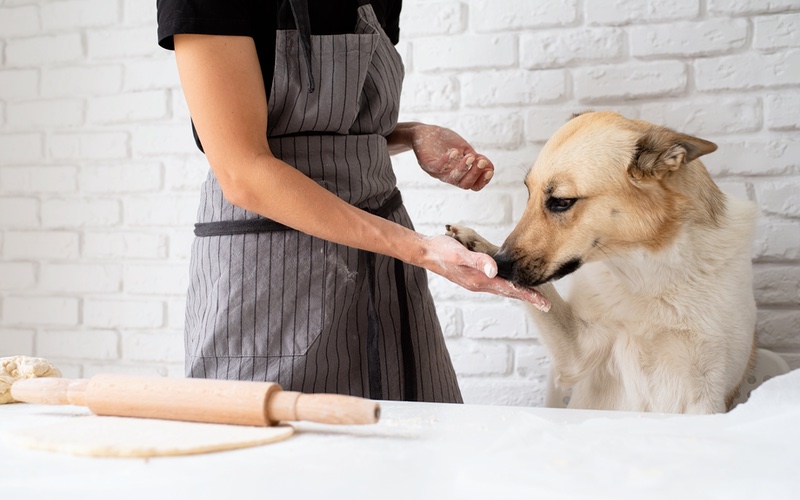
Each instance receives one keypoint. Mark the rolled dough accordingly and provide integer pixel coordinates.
(142, 437)
(16, 368)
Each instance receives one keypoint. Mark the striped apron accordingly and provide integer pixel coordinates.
(269, 303)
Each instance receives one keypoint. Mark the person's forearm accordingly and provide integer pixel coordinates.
(401, 138)
(280, 192)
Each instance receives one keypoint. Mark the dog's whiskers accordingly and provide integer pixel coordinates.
(601, 247)
(522, 168)
(610, 261)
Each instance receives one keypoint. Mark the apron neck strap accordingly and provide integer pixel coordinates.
(302, 21)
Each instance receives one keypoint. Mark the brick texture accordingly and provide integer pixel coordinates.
(99, 175)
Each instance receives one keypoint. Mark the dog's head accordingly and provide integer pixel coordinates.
(603, 185)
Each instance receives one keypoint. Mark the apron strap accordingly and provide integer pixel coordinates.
(373, 333)
(264, 225)
(406, 344)
(302, 21)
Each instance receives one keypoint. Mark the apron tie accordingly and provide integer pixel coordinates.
(265, 225)
(302, 21)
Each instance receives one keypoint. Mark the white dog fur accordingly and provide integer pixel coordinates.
(661, 317)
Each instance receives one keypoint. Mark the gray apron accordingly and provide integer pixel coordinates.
(269, 303)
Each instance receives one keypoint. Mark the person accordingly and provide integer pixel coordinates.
(306, 269)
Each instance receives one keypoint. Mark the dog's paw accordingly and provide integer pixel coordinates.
(470, 239)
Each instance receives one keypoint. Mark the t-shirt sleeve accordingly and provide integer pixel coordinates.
(392, 28)
(203, 17)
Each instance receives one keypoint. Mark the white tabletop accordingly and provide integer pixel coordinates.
(423, 450)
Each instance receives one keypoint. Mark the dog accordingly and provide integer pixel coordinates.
(661, 314)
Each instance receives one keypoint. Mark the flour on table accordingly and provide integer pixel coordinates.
(142, 437)
(19, 367)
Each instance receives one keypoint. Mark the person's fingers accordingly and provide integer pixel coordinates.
(461, 167)
(507, 289)
(487, 281)
(471, 176)
(531, 296)
(451, 162)
(442, 165)
(485, 264)
(483, 180)
(479, 175)
(473, 171)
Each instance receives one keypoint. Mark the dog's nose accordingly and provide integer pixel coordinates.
(505, 265)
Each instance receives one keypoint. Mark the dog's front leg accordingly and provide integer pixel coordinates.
(561, 330)
(564, 335)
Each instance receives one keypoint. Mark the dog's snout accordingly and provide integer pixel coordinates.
(505, 265)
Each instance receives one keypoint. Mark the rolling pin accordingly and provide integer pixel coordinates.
(196, 400)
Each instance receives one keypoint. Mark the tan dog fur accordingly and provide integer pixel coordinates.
(661, 314)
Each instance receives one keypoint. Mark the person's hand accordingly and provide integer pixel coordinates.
(474, 271)
(446, 156)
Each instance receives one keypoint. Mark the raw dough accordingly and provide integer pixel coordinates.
(18, 367)
(142, 437)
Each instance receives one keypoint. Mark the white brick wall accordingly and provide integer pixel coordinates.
(99, 175)
(730, 76)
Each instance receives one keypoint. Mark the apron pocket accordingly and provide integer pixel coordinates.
(266, 294)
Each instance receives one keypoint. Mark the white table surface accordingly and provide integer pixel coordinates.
(423, 450)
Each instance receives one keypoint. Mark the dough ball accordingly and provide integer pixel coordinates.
(19, 367)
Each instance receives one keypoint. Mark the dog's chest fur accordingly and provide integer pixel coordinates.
(654, 318)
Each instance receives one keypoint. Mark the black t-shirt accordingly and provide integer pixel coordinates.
(260, 19)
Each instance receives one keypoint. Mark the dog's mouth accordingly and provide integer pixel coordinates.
(516, 272)
(564, 269)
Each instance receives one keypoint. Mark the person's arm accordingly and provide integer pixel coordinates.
(224, 89)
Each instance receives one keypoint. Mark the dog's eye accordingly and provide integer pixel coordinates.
(560, 204)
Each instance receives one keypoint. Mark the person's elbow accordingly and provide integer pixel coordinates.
(238, 194)
(239, 181)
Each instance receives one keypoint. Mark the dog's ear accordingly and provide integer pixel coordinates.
(661, 150)
(575, 115)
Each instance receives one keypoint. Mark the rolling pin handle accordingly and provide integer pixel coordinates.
(281, 406)
(49, 391)
(323, 408)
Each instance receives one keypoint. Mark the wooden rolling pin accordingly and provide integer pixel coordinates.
(196, 400)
